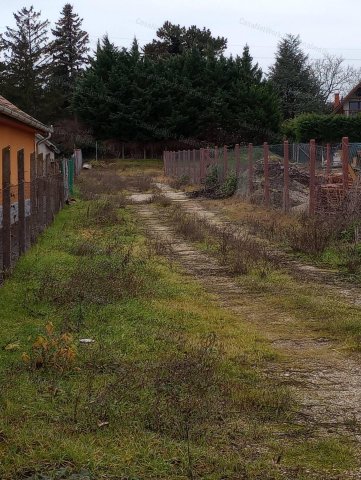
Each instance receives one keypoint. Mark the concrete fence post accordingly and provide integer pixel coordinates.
(250, 169)
(345, 163)
(266, 174)
(286, 177)
(312, 203)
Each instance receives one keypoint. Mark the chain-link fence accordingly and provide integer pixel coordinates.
(303, 176)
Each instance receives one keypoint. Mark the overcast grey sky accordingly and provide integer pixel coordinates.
(324, 25)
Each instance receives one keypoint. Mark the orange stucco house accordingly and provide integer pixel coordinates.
(18, 131)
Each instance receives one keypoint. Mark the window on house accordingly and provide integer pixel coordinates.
(355, 106)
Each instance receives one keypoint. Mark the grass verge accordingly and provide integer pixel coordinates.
(115, 366)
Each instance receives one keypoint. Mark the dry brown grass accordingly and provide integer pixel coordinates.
(97, 182)
(235, 248)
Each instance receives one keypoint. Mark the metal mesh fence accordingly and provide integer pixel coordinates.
(28, 206)
(289, 175)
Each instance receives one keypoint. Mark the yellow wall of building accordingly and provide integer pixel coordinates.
(17, 138)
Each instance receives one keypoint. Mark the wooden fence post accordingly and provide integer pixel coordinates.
(328, 159)
(345, 163)
(40, 191)
(189, 165)
(286, 177)
(201, 161)
(250, 169)
(6, 201)
(179, 163)
(225, 162)
(33, 206)
(21, 203)
(194, 170)
(60, 178)
(48, 191)
(207, 160)
(237, 154)
(216, 156)
(266, 174)
(312, 205)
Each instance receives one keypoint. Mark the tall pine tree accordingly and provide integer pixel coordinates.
(175, 40)
(69, 51)
(293, 79)
(26, 60)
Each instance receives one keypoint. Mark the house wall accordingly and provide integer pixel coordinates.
(45, 150)
(18, 137)
(346, 105)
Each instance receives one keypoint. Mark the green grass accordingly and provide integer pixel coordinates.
(314, 306)
(171, 388)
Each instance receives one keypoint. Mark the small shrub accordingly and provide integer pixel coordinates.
(229, 187)
(190, 226)
(95, 183)
(157, 245)
(162, 200)
(211, 182)
(84, 248)
(102, 212)
(51, 351)
(353, 260)
(314, 234)
(97, 280)
(179, 182)
(143, 183)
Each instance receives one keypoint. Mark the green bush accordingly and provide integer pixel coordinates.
(229, 186)
(323, 128)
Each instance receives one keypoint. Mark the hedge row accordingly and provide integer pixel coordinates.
(323, 128)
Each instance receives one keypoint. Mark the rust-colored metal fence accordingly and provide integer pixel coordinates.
(309, 176)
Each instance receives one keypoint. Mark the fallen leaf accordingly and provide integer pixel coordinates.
(102, 424)
(12, 346)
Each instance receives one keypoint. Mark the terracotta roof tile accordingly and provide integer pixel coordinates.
(11, 110)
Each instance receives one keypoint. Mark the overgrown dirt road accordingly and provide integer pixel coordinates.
(325, 380)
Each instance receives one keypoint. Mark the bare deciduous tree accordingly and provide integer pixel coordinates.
(334, 76)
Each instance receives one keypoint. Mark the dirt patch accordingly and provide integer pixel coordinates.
(326, 383)
(300, 271)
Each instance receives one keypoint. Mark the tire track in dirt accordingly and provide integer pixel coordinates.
(300, 271)
(325, 382)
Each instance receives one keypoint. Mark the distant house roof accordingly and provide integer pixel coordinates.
(10, 110)
(338, 108)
